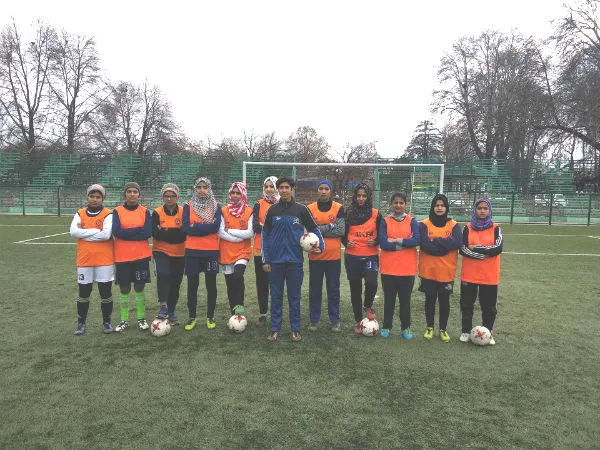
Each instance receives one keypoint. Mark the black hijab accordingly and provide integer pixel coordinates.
(356, 214)
(439, 221)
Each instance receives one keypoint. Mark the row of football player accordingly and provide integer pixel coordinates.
(203, 236)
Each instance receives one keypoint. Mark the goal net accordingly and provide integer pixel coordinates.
(420, 182)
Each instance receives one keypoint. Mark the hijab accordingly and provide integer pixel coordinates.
(358, 215)
(236, 209)
(271, 198)
(439, 221)
(481, 224)
(205, 207)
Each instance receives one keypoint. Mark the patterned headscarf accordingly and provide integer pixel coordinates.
(205, 207)
(237, 209)
(356, 214)
(271, 198)
(481, 224)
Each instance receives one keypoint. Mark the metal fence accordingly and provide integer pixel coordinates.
(552, 208)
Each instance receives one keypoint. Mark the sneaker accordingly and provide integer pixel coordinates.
(407, 333)
(358, 329)
(239, 310)
(191, 323)
(492, 341)
(296, 337)
(273, 336)
(464, 337)
(107, 328)
(444, 336)
(336, 327)
(173, 320)
(428, 333)
(210, 324)
(370, 313)
(122, 326)
(143, 325)
(385, 333)
(261, 322)
(163, 313)
(313, 326)
(80, 328)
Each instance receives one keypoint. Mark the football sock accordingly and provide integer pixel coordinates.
(140, 303)
(83, 305)
(106, 305)
(124, 303)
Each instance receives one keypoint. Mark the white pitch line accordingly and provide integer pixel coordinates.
(594, 237)
(25, 225)
(543, 235)
(551, 254)
(41, 237)
(46, 243)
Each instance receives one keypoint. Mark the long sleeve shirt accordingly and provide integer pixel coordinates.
(92, 234)
(132, 234)
(284, 225)
(481, 251)
(440, 246)
(413, 241)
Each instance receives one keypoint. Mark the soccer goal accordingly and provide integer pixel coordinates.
(419, 181)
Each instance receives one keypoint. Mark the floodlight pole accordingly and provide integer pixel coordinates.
(271, 163)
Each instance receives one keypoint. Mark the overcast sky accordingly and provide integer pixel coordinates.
(354, 71)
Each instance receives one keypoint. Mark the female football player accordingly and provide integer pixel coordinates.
(438, 258)
(480, 271)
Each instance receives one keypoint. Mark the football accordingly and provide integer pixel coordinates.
(308, 241)
(237, 323)
(369, 327)
(480, 336)
(160, 327)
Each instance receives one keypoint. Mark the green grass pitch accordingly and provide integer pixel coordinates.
(538, 387)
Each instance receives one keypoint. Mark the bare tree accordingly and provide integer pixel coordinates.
(575, 108)
(495, 83)
(24, 83)
(75, 82)
(305, 145)
(135, 118)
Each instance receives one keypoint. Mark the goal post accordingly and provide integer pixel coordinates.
(419, 181)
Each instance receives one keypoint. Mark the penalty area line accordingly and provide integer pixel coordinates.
(551, 254)
(41, 237)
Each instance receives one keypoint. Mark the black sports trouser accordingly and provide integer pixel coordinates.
(235, 286)
(210, 281)
(356, 294)
(262, 285)
(430, 299)
(488, 295)
(169, 274)
(401, 287)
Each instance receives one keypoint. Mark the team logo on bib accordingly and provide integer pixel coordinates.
(178, 221)
(98, 223)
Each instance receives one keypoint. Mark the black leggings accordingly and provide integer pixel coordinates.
(210, 281)
(235, 286)
(262, 285)
(430, 299)
(356, 294)
(169, 273)
(488, 295)
(401, 287)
